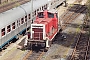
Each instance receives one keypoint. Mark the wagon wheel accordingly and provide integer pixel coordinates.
(43, 45)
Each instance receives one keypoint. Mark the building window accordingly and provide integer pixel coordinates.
(8, 28)
(42, 7)
(29, 16)
(19, 22)
(13, 25)
(22, 20)
(26, 18)
(3, 32)
(35, 12)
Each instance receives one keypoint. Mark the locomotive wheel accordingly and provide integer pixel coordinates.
(43, 45)
(46, 49)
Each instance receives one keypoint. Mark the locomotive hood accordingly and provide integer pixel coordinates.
(43, 21)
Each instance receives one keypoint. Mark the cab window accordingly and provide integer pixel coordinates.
(40, 15)
(50, 15)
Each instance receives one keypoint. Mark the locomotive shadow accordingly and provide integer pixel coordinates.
(34, 48)
(37, 48)
(69, 40)
(65, 39)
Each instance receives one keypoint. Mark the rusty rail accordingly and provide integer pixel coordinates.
(72, 14)
(81, 50)
(26, 56)
(33, 55)
(8, 6)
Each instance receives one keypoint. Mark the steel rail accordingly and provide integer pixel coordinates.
(40, 55)
(77, 45)
(26, 56)
(8, 6)
(74, 15)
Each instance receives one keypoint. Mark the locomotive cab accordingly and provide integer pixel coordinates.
(44, 28)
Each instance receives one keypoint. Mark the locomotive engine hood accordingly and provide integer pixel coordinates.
(45, 25)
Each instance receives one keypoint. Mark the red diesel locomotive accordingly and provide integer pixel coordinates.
(44, 28)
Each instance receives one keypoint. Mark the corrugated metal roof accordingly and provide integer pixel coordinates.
(10, 16)
(14, 14)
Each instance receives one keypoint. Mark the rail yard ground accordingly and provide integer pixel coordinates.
(12, 52)
(11, 4)
(60, 49)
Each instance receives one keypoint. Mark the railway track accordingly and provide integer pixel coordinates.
(34, 54)
(82, 48)
(71, 14)
(8, 6)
